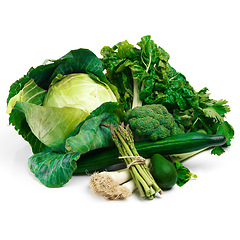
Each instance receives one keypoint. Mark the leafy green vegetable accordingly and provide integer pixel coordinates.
(78, 90)
(92, 135)
(51, 125)
(63, 106)
(49, 106)
(30, 93)
(135, 71)
(143, 75)
(184, 174)
(30, 100)
(56, 168)
(208, 117)
(53, 169)
(33, 94)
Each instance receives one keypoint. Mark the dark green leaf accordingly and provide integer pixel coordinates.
(76, 61)
(80, 60)
(113, 108)
(53, 169)
(125, 64)
(227, 130)
(184, 174)
(180, 94)
(150, 53)
(92, 134)
(218, 150)
(127, 50)
(111, 59)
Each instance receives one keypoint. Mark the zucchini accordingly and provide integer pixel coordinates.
(188, 142)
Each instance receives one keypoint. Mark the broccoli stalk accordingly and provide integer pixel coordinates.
(123, 138)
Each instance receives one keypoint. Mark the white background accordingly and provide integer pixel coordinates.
(202, 38)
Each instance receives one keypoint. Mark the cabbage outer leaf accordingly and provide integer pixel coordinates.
(53, 169)
(51, 125)
(30, 93)
(92, 135)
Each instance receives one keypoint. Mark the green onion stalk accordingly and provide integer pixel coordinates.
(124, 141)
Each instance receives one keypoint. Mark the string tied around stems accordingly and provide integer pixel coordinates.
(136, 160)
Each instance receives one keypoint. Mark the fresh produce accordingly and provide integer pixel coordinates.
(78, 90)
(135, 70)
(118, 185)
(143, 75)
(183, 174)
(36, 104)
(124, 140)
(178, 144)
(63, 106)
(52, 108)
(114, 185)
(152, 122)
(163, 172)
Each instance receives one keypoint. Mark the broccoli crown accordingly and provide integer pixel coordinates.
(153, 122)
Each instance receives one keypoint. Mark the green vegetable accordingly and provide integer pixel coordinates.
(135, 70)
(39, 87)
(92, 136)
(114, 184)
(51, 125)
(52, 108)
(53, 169)
(78, 90)
(62, 106)
(176, 144)
(152, 122)
(143, 75)
(123, 138)
(163, 172)
(183, 174)
(118, 185)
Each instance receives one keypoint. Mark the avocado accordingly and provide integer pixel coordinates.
(163, 171)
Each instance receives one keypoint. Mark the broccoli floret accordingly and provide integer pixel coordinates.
(152, 122)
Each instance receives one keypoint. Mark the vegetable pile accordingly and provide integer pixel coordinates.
(82, 114)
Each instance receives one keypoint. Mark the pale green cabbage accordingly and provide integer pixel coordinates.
(79, 90)
(58, 107)
(54, 114)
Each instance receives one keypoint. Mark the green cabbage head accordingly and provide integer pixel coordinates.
(60, 108)
(50, 101)
(79, 90)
